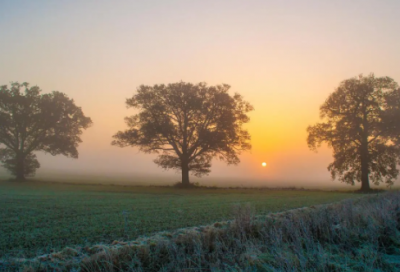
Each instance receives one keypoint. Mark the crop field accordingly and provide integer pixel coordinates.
(38, 218)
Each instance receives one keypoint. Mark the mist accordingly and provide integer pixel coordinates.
(283, 59)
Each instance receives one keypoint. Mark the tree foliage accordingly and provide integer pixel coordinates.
(187, 125)
(362, 126)
(31, 121)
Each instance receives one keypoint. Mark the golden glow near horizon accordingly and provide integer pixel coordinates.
(264, 164)
(283, 58)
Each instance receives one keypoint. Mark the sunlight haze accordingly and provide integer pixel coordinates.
(284, 57)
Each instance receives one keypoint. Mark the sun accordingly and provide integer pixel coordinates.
(264, 164)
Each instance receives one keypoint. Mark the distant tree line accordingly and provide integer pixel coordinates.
(188, 125)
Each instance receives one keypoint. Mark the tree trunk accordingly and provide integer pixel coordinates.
(20, 168)
(365, 168)
(185, 174)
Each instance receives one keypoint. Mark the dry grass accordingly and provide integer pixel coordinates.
(40, 218)
(353, 235)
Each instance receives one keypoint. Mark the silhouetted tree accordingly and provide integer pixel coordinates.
(30, 121)
(362, 125)
(187, 125)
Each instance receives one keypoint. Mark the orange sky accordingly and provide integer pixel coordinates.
(284, 57)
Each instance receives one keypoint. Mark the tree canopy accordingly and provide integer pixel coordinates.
(187, 125)
(362, 126)
(31, 121)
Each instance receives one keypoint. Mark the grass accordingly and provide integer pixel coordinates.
(361, 234)
(39, 218)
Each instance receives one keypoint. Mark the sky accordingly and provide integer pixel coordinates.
(284, 57)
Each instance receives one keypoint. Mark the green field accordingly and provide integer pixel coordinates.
(36, 218)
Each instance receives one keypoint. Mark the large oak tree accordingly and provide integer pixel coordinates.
(362, 125)
(31, 121)
(187, 125)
